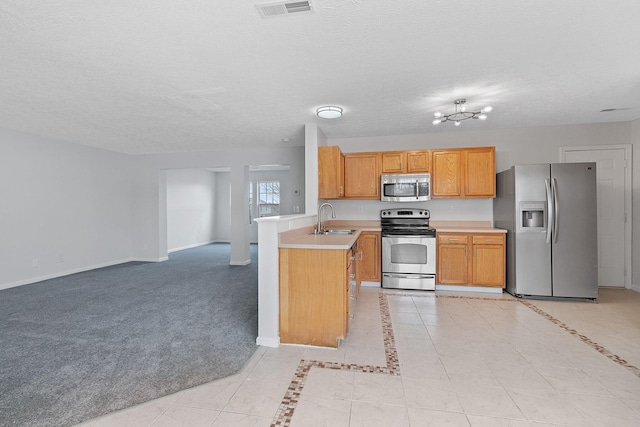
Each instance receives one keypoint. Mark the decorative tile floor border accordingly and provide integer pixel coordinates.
(292, 395)
(288, 405)
(600, 349)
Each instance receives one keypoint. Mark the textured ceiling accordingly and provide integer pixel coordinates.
(172, 75)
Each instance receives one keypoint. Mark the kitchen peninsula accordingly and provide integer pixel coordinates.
(320, 275)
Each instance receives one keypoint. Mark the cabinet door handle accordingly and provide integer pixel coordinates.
(466, 252)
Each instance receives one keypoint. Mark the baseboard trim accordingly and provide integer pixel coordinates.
(468, 289)
(370, 284)
(268, 342)
(195, 245)
(245, 262)
(63, 273)
(635, 288)
(164, 258)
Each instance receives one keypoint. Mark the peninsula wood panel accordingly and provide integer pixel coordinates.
(313, 296)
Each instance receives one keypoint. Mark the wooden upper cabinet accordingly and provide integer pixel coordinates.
(480, 172)
(446, 175)
(406, 161)
(330, 173)
(464, 172)
(418, 161)
(393, 161)
(362, 175)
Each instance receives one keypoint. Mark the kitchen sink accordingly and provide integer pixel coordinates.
(339, 232)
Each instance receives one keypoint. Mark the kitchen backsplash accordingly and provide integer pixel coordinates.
(440, 209)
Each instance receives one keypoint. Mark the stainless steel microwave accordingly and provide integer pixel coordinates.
(405, 188)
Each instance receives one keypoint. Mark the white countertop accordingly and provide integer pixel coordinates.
(303, 238)
(320, 241)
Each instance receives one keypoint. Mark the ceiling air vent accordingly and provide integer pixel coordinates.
(283, 8)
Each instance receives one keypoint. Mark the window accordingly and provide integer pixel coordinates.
(268, 198)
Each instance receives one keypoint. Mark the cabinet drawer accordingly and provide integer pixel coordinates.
(453, 238)
(491, 239)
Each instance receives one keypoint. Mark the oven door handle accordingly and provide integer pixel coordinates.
(428, 236)
(408, 276)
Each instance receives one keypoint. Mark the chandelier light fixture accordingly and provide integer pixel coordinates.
(329, 112)
(461, 113)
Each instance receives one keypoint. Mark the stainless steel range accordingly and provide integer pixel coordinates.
(408, 249)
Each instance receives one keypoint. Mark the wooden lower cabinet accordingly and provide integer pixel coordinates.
(466, 259)
(315, 286)
(369, 246)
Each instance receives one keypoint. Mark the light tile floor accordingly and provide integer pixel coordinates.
(434, 359)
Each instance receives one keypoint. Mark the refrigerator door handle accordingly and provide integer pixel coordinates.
(556, 209)
(550, 209)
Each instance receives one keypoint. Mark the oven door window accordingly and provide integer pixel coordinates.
(408, 253)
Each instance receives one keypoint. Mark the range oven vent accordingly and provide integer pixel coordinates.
(283, 8)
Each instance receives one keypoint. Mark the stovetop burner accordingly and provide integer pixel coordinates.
(410, 222)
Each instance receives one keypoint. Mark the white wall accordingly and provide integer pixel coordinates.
(223, 208)
(149, 240)
(64, 208)
(635, 195)
(191, 208)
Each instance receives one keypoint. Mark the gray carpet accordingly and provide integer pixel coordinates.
(80, 346)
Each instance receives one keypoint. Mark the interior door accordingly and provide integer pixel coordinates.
(611, 211)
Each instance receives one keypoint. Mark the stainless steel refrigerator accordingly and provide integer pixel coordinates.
(550, 214)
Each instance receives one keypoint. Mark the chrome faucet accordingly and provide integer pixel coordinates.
(319, 229)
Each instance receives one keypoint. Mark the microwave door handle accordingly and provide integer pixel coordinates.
(417, 190)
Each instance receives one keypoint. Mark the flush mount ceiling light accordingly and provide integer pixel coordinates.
(461, 113)
(329, 112)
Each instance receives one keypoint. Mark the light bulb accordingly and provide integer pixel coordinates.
(482, 116)
(487, 109)
(436, 121)
(463, 107)
(457, 123)
(437, 114)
